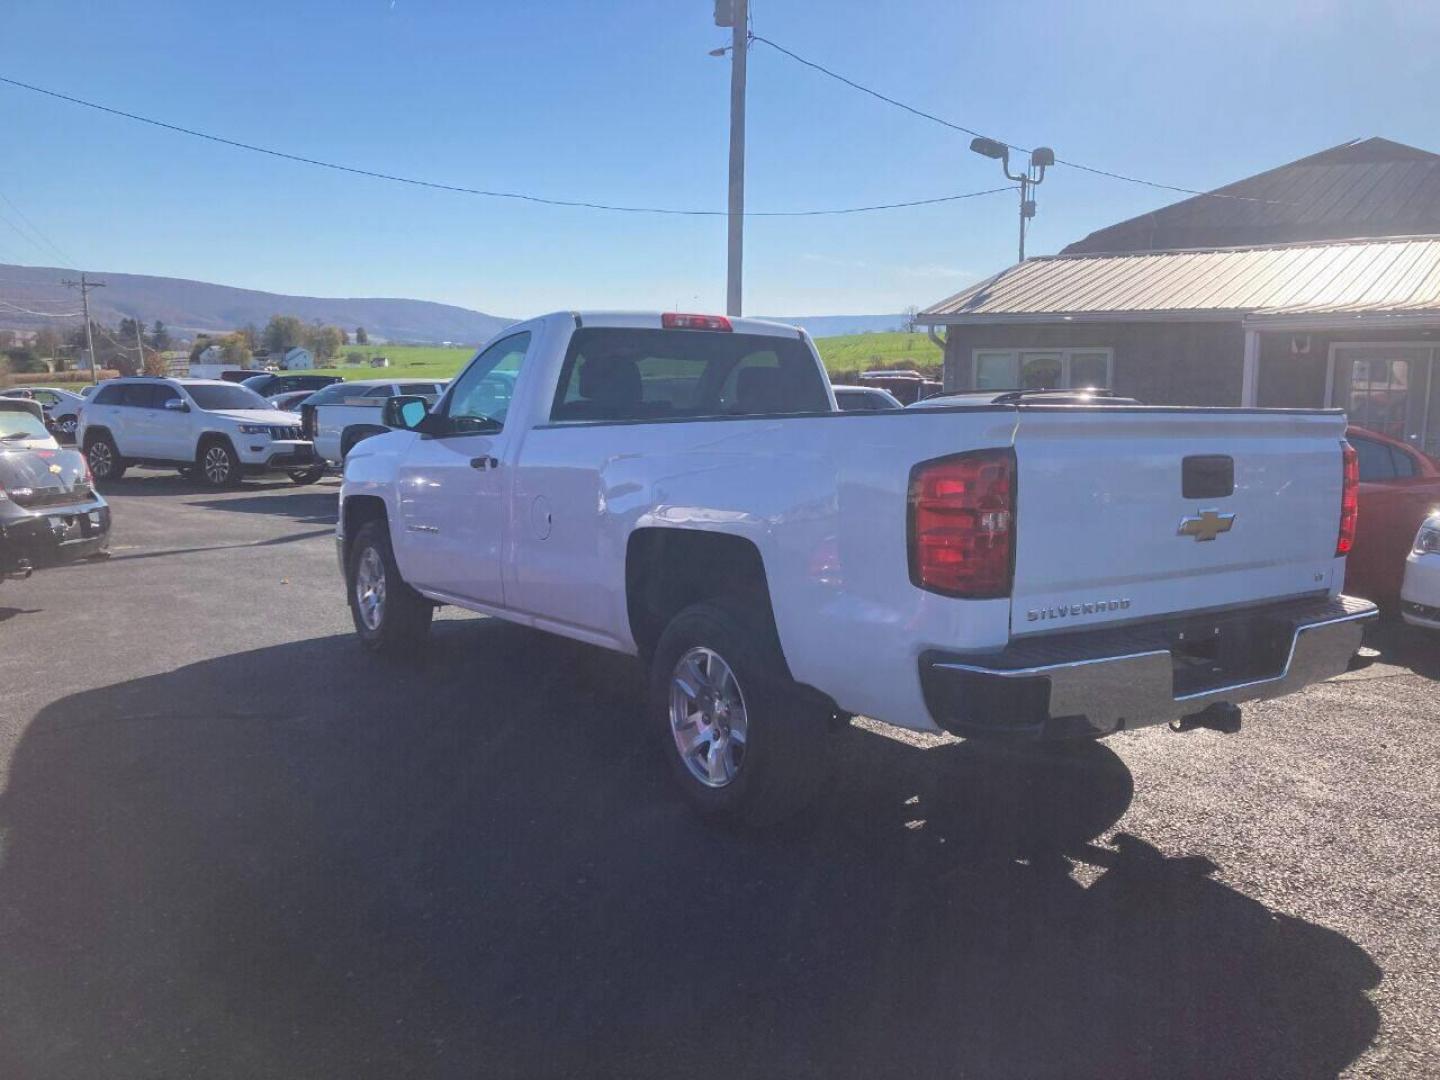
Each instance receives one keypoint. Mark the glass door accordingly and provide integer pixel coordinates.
(1390, 389)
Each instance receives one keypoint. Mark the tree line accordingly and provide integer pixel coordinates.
(128, 348)
(116, 347)
(281, 334)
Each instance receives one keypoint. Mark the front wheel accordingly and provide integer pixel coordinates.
(743, 741)
(66, 428)
(104, 459)
(390, 617)
(217, 465)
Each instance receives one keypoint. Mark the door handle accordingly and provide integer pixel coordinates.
(483, 463)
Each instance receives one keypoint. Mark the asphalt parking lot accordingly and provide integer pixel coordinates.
(234, 845)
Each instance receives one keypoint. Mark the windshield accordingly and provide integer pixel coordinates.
(212, 397)
(19, 424)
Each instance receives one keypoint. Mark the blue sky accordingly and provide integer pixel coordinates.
(620, 103)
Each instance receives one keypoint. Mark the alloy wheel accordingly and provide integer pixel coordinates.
(102, 461)
(708, 718)
(370, 588)
(217, 465)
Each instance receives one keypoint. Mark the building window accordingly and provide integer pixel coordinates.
(1043, 369)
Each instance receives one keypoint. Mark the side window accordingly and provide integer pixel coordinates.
(377, 395)
(161, 394)
(107, 395)
(1404, 464)
(423, 389)
(45, 397)
(482, 394)
(1375, 460)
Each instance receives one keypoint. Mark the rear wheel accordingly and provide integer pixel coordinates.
(307, 476)
(743, 741)
(217, 465)
(104, 458)
(390, 617)
(66, 427)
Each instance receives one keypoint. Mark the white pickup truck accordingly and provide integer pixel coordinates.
(338, 416)
(683, 488)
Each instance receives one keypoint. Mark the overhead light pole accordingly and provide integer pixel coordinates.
(1029, 179)
(736, 15)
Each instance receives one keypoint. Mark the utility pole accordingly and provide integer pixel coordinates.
(736, 15)
(85, 285)
(139, 347)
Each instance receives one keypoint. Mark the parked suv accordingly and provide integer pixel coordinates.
(214, 431)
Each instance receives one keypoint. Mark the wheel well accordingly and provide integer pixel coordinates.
(667, 570)
(360, 510)
(358, 433)
(213, 437)
(93, 433)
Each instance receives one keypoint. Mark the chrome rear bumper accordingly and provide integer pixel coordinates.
(1099, 682)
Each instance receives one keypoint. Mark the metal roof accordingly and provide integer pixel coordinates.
(1399, 276)
(1363, 189)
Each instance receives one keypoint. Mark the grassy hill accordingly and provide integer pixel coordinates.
(854, 353)
(844, 356)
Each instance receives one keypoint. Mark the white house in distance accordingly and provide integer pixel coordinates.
(297, 359)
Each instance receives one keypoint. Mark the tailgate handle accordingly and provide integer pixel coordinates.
(1207, 476)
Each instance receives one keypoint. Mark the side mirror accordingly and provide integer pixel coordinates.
(174, 404)
(405, 413)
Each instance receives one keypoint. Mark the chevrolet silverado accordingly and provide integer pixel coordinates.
(684, 489)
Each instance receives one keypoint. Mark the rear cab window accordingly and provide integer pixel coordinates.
(614, 374)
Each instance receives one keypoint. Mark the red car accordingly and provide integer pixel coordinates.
(1399, 488)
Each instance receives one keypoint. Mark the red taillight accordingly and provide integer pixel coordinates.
(1349, 499)
(674, 320)
(962, 524)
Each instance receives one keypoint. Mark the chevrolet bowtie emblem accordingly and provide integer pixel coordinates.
(1206, 525)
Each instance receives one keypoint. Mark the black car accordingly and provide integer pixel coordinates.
(282, 382)
(49, 510)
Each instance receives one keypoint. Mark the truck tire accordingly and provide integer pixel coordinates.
(743, 742)
(216, 464)
(104, 458)
(390, 617)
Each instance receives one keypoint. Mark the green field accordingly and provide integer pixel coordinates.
(842, 355)
(860, 352)
(406, 361)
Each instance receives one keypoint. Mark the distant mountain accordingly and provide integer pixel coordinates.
(188, 307)
(836, 325)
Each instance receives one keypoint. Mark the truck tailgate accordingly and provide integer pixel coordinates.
(1105, 529)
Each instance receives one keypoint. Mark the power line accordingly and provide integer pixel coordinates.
(56, 248)
(44, 314)
(978, 134)
(486, 193)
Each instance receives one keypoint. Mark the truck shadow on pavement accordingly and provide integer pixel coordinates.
(300, 862)
(1405, 646)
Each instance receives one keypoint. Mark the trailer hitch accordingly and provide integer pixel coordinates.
(1222, 717)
